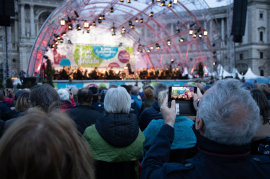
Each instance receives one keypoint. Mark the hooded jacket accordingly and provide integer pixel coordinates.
(116, 143)
(148, 115)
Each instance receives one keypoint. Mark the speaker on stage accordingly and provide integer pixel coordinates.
(239, 19)
(6, 10)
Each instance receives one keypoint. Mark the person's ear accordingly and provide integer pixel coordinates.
(199, 125)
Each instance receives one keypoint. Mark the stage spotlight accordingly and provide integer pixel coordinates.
(158, 0)
(214, 63)
(78, 27)
(148, 51)
(70, 27)
(132, 26)
(136, 20)
(58, 38)
(141, 20)
(103, 17)
(151, 14)
(88, 30)
(138, 51)
(129, 23)
(77, 15)
(61, 40)
(111, 10)
(100, 17)
(62, 22)
(200, 35)
(181, 40)
(175, 1)
(86, 24)
(170, 4)
(64, 34)
(194, 35)
(190, 31)
(151, 47)
(163, 3)
(94, 23)
(121, 0)
(168, 42)
(205, 33)
(128, 1)
(99, 21)
(123, 30)
(157, 46)
(56, 43)
(172, 60)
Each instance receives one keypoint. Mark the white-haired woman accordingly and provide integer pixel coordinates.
(115, 139)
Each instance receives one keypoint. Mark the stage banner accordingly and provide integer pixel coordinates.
(91, 56)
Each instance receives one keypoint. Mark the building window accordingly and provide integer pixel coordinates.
(261, 54)
(261, 15)
(261, 36)
(261, 73)
(241, 56)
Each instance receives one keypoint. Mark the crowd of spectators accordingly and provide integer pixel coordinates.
(122, 133)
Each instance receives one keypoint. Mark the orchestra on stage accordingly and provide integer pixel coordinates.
(79, 73)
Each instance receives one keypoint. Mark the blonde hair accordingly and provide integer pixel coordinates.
(22, 103)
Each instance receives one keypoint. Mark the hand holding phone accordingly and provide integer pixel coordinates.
(169, 114)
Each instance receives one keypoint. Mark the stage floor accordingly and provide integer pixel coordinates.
(106, 83)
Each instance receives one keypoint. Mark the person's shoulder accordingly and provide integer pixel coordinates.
(260, 159)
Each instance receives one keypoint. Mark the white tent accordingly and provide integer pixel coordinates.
(250, 74)
(185, 72)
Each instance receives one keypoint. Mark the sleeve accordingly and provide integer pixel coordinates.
(159, 154)
(72, 102)
(142, 120)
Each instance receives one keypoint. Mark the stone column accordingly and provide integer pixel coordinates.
(16, 30)
(32, 23)
(22, 20)
(222, 33)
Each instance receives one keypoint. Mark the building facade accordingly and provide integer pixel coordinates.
(253, 52)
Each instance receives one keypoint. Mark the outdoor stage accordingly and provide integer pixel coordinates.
(106, 83)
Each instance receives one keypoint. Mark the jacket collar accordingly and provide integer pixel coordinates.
(156, 106)
(210, 147)
(133, 97)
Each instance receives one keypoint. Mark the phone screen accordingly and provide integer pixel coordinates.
(182, 93)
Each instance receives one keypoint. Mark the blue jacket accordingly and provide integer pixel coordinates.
(98, 106)
(4, 109)
(214, 160)
(136, 100)
(184, 135)
(148, 115)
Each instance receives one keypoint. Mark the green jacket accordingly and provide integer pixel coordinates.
(103, 151)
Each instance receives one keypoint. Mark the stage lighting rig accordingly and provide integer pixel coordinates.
(151, 47)
(172, 60)
(64, 34)
(175, 1)
(70, 27)
(103, 17)
(129, 23)
(200, 35)
(132, 26)
(163, 3)
(61, 40)
(45, 56)
(194, 35)
(148, 51)
(181, 40)
(169, 43)
(86, 24)
(111, 10)
(88, 30)
(205, 32)
(158, 0)
(123, 30)
(62, 22)
(78, 27)
(100, 17)
(121, 0)
(94, 23)
(113, 30)
(157, 46)
(128, 1)
(69, 20)
(170, 4)
(141, 20)
(77, 15)
(99, 21)
(136, 20)
(151, 14)
(190, 31)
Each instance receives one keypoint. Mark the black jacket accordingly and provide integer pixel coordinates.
(119, 130)
(98, 106)
(83, 116)
(148, 115)
(214, 160)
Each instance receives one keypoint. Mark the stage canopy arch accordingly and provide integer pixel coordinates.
(146, 33)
